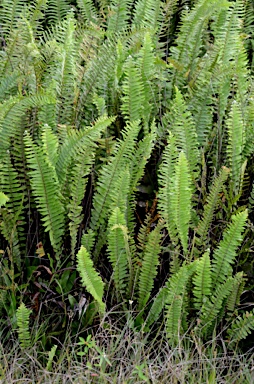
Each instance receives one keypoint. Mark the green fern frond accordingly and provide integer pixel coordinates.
(57, 10)
(91, 280)
(225, 254)
(213, 308)
(176, 303)
(110, 173)
(212, 201)
(202, 280)
(234, 299)
(150, 262)
(156, 308)
(240, 328)
(147, 14)
(133, 99)
(183, 128)
(119, 254)
(50, 145)
(88, 11)
(181, 195)
(10, 10)
(3, 199)
(46, 190)
(118, 16)
(22, 315)
(236, 143)
(88, 240)
(165, 176)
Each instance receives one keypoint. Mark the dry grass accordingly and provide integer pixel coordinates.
(123, 356)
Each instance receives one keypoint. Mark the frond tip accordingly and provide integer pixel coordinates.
(91, 280)
(23, 314)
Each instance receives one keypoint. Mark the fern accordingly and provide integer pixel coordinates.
(118, 16)
(212, 201)
(119, 255)
(202, 280)
(183, 128)
(225, 254)
(236, 143)
(240, 328)
(45, 187)
(22, 315)
(176, 303)
(181, 194)
(133, 99)
(3, 199)
(91, 280)
(57, 10)
(156, 308)
(147, 14)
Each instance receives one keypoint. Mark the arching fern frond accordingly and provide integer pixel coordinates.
(118, 15)
(147, 14)
(91, 280)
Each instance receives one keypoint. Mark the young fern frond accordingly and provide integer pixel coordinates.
(225, 254)
(22, 315)
(46, 191)
(91, 280)
(150, 262)
(118, 252)
(50, 145)
(241, 327)
(202, 280)
(212, 201)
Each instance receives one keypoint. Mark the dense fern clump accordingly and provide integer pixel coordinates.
(126, 176)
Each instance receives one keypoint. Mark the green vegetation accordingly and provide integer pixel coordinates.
(126, 191)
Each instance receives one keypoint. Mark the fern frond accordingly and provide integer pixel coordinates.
(118, 15)
(202, 280)
(50, 145)
(156, 308)
(150, 262)
(3, 199)
(147, 14)
(183, 128)
(238, 286)
(213, 308)
(225, 254)
(91, 280)
(46, 190)
(236, 143)
(109, 175)
(165, 176)
(57, 10)
(118, 252)
(88, 11)
(22, 315)
(181, 195)
(212, 201)
(240, 328)
(133, 99)
(176, 303)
